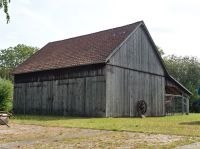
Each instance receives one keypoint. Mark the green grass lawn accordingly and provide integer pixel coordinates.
(187, 125)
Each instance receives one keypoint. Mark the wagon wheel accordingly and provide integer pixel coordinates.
(141, 107)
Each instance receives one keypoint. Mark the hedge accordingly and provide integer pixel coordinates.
(6, 95)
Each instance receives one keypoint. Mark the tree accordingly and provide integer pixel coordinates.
(186, 70)
(161, 52)
(4, 6)
(12, 57)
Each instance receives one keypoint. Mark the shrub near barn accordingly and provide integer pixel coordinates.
(6, 92)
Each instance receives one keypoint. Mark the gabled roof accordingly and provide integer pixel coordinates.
(95, 48)
(83, 50)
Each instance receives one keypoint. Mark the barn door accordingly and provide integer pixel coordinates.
(95, 102)
(73, 96)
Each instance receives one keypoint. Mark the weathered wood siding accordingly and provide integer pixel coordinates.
(138, 53)
(135, 73)
(83, 95)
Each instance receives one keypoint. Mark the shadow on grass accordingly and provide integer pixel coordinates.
(190, 123)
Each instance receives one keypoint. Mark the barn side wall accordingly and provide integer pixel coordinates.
(78, 92)
(135, 73)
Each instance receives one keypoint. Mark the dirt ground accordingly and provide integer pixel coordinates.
(31, 136)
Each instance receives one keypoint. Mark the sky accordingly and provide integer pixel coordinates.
(173, 24)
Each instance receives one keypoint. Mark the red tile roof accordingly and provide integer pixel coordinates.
(83, 50)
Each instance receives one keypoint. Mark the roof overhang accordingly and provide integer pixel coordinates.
(176, 85)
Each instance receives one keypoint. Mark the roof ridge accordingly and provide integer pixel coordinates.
(70, 38)
(118, 46)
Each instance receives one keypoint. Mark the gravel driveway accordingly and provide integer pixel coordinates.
(32, 136)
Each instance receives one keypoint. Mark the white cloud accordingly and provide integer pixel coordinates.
(173, 24)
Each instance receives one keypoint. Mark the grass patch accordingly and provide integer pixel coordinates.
(185, 125)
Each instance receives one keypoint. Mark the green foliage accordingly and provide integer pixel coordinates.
(196, 106)
(5, 73)
(6, 92)
(4, 5)
(12, 57)
(186, 70)
(161, 52)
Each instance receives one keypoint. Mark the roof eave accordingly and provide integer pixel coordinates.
(180, 85)
(74, 66)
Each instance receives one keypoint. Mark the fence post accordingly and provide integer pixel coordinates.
(182, 105)
(187, 106)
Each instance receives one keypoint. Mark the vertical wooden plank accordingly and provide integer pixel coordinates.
(88, 97)
(119, 93)
(108, 91)
(55, 107)
(126, 92)
(28, 99)
(130, 94)
(66, 97)
(34, 97)
(44, 98)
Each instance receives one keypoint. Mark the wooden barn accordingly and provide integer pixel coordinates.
(102, 74)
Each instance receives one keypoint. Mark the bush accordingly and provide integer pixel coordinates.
(6, 92)
(195, 106)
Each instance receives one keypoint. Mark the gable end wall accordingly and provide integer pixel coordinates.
(135, 73)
